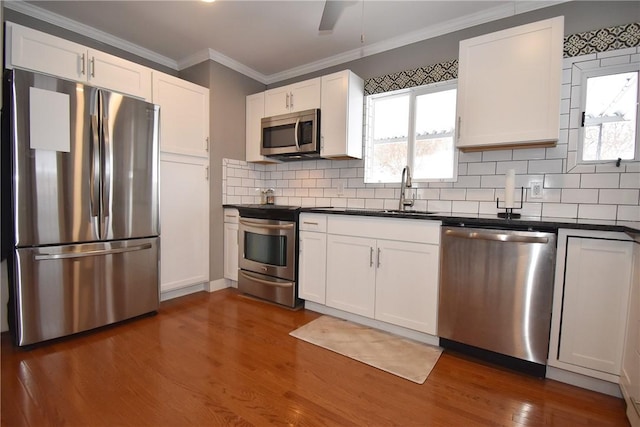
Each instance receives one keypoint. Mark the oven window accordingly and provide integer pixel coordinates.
(265, 249)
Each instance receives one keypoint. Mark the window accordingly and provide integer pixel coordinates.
(609, 114)
(412, 127)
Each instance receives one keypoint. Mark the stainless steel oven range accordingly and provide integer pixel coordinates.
(268, 253)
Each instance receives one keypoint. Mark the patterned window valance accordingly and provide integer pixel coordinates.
(613, 38)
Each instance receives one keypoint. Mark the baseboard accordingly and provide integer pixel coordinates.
(180, 292)
(583, 381)
(219, 284)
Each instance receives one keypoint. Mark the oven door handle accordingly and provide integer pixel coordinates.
(267, 226)
(267, 282)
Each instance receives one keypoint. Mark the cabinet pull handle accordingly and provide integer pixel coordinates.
(230, 216)
(206, 144)
(378, 258)
(458, 128)
(93, 67)
(287, 103)
(206, 173)
(371, 257)
(82, 65)
(291, 97)
(309, 223)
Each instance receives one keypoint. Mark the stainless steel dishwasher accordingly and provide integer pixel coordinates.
(495, 297)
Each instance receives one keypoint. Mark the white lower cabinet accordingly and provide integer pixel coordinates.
(184, 213)
(351, 274)
(591, 299)
(407, 284)
(231, 244)
(384, 269)
(630, 373)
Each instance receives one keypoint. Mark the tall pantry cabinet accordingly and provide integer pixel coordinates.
(184, 178)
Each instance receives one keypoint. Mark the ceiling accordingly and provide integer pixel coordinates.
(267, 40)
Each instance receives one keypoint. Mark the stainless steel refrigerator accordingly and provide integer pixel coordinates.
(84, 207)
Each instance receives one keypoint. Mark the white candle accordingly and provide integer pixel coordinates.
(509, 186)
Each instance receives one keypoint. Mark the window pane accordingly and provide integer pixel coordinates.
(434, 147)
(610, 117)
(389, 142)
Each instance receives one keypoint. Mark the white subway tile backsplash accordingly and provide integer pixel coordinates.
(496, 155)
(619, 197)
(545, 166)
(520, 167)
(562, 180)
(558, 210)
(600, 180)
(467, 182)
(465, 207)
(570, 195)
(469, 157)
(597, 211)
(453, 194)
(481, 195)
(529, 154)
(439, 206)
(628, 213)
(486, 168)
(630, 180)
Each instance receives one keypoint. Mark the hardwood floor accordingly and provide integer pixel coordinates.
(224, 359)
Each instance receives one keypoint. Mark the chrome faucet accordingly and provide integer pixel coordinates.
(405, 182)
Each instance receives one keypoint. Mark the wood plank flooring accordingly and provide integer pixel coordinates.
(224, 359)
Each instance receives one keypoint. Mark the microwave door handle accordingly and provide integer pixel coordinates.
(296, 134)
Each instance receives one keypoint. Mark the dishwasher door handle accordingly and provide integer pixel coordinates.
(499, 237)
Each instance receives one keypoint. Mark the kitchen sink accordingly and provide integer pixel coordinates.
(392, 211)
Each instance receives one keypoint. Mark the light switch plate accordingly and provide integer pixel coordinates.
(536, 189)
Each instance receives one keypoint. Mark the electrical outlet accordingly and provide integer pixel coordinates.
(536, 189)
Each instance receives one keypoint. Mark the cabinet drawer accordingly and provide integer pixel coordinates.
(231, 216)
(313, 222)
(407, 230)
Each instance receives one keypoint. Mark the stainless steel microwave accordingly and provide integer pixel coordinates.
(292, 136)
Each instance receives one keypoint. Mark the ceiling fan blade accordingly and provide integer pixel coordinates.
(331, 13)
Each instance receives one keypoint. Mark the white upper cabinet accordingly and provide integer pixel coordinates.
(341, 114)
(253, 126)
(509, 87)
(184, 115)
(300, 96)
(34, 50)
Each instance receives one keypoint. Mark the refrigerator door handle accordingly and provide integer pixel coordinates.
(99, 252)
(95, 168)
(106, 170)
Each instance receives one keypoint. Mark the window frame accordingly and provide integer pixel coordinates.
(600, 72)
(413, 92)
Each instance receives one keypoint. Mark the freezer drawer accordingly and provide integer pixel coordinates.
(61, 290)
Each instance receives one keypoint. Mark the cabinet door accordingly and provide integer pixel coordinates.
(407, 284)
(254, 114)
(305, 95)
(351, 274)
(184, 115)
(231, 251)
(630, 374)
(184, 215)
(37, 51)
(312, 267)
(342, 111)
(596, 295)
(300, 96)
(506, 97)
(276, 101)
(117, 74)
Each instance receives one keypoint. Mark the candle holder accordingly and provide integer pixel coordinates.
(508, 212)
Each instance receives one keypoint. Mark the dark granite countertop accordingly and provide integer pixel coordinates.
(524, 223)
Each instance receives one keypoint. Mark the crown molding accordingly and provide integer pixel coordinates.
(214, 55)
(87, 31)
